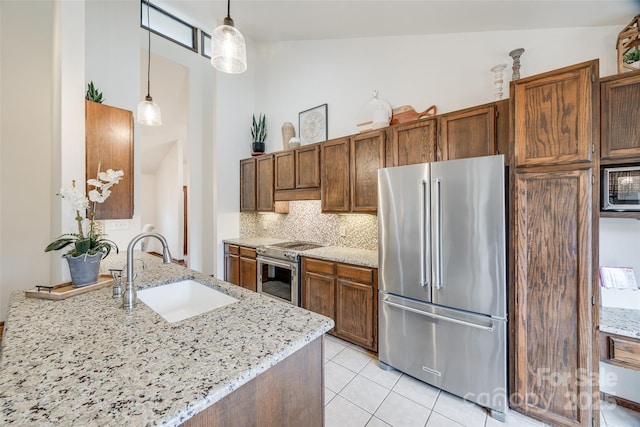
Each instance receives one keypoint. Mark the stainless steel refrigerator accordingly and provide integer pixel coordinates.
(442, 276)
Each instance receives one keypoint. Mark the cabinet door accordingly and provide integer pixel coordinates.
(357, 305)
(264, 183)
(555, 121)
(248, 185)
(620, 103)
(285, 170)
(248, 274)
(319, 294)
(468, 133)
(335, 175)
(109, 145)
(553, 249)
(412, 143)
(232, 268)
(367, 156)
(308, 166)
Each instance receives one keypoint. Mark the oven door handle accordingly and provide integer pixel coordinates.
(277, 263)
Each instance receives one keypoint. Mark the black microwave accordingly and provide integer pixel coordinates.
(621, 188)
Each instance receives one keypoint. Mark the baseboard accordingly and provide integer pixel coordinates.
(629, 404)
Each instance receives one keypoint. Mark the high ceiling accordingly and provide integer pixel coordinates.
(335, 19)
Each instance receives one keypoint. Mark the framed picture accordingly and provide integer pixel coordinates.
(312, 124)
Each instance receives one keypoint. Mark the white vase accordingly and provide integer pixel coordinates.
(288, 132)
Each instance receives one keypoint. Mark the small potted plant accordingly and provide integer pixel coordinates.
(631, 57)
(258, 133)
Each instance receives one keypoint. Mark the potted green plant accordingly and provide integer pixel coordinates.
(93, 94)
(87, 247)
(258, 133)
(632, 56)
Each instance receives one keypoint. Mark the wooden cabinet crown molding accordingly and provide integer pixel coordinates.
(109, 145)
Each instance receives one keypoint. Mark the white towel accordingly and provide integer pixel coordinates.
(618, 278)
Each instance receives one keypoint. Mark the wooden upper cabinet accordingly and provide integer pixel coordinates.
(308, 166)
(285, 170)
(367, 156)
(264, 184)
(553, 240)
(467, 133)
(620, 104)
(555, 118)
(334, 175)
(412, 143)
(247, 185)
(109, 145)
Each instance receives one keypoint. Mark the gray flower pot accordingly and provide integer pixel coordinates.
(84, 269)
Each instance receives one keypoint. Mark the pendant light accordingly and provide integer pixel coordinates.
(229, 52)
(149, 111)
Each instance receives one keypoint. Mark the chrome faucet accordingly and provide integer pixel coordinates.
(130, 296)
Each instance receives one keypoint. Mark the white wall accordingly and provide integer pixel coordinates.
(620, 247)
(169, 199)
(28, 177)
(451, 71)
(112, 62)
(149, 206)
(233, 109)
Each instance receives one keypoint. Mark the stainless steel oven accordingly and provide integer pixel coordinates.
(279, 270)
(278, 279)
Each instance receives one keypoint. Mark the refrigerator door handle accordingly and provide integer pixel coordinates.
(438, 233)
(424, 236)
(439, 317)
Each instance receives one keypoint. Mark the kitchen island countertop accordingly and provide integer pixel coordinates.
(620, 321)
(86, 361)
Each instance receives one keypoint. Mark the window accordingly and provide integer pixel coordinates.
(168, 26)
(205, 44)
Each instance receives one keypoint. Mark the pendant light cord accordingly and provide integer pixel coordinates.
(149, 53)
(228, 8)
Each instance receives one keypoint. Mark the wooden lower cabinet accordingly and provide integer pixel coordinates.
(620, 351)
(345, 293)
(555, 371)
(290, 394)
(240, 266)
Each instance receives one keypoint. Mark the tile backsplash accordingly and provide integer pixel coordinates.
(305, 221)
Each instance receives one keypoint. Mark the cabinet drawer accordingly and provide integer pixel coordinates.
(317, 266)
(625, 351)
(357, 274)
(247, 252)
(231, 249)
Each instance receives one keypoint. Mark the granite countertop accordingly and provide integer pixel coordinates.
(362, 257)
(86, 361)
(355, 256)
(620, 321)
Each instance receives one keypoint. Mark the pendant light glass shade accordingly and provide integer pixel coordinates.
(149, 112)
(229, 51)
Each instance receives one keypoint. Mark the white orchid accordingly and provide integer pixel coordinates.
(93, 242)
(75, 198)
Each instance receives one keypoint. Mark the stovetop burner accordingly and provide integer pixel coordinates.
(298, 245)
(287, 250)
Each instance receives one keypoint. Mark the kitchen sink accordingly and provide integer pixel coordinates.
(181, 300)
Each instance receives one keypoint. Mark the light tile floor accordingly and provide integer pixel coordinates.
(360, 394)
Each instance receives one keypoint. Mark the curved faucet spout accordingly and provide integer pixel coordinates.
(130, 296)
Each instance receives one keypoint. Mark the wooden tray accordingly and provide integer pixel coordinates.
(66, 290)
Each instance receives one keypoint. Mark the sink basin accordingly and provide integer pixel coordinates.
(181, 300)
